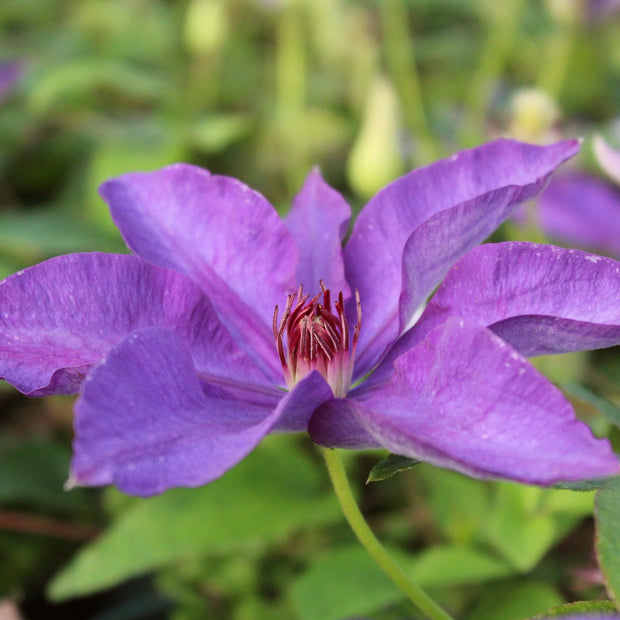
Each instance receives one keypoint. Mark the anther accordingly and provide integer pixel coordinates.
(317, 338)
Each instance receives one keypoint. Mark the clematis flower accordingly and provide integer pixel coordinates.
(596, 11)
(583, 210)
(230, 323)
(590, 616)
(10, 73)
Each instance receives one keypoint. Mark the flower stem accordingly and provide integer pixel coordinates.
(504, 21)
(291, 87)
(370, 542)
(403, 68)
(554, 68)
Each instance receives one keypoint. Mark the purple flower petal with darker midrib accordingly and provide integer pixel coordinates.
(406, 238)
(479, 408)
(61, 317)
(221, 234)
(145, 423)
(318, 222)
(539, 298)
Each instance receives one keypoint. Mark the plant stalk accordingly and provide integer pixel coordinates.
(369, 541)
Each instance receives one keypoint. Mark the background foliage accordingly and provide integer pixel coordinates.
(263, 91)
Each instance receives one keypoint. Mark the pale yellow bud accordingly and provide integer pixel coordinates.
(533, 115)
(206, 26)
(565, 12)
(375, 157)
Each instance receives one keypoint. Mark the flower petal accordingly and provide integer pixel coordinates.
(607, 157)
(146, 423)
(310, 393)
(59, 318)
(582, 210)
(539, 298)
(221, 234)
(10, 73)
(469, 195)
(318, 221)
(466, 400)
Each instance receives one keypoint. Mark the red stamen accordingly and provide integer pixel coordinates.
(317, 338)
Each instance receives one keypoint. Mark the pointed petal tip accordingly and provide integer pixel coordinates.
(607, 157)
(71, 483)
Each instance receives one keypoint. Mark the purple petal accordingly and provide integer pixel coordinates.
(607, 157)
(146, 423)
(582, 210)
(539, 298)
(59, 318)
(318, 222)
(10, 73)
(310, 393)
(221, 234)
(341, 423)
(599, 10)
(469, 194)
(466, 400)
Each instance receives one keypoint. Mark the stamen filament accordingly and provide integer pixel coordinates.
(317, 338)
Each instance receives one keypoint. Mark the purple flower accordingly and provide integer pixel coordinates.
(596, 11)
(590, 616)
(10, 73)
(584, 210)
(231, 323)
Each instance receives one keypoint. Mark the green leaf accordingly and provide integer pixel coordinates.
(320, 591)
(76, 83)
(44, 233)
(131, 146)
(513, 601)
(344, 583)
(607, 514)
(217, 132)
(33, 473)
(452, 565)
(593, 484)
(459, 504)
(578, 609)
(547, 515)
(389, 466)
(610, 410)
(274, 492)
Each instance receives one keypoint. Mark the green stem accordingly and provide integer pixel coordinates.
(554, 68)
(370, 542)
(402, 65)
(291, 90)
(503, 27)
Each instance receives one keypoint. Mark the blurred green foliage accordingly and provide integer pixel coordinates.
(263, 90)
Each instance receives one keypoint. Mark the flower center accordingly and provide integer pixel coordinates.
(317, 338)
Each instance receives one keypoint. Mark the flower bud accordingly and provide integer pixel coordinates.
(375, 157)
(533, 115)
(206, 26)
